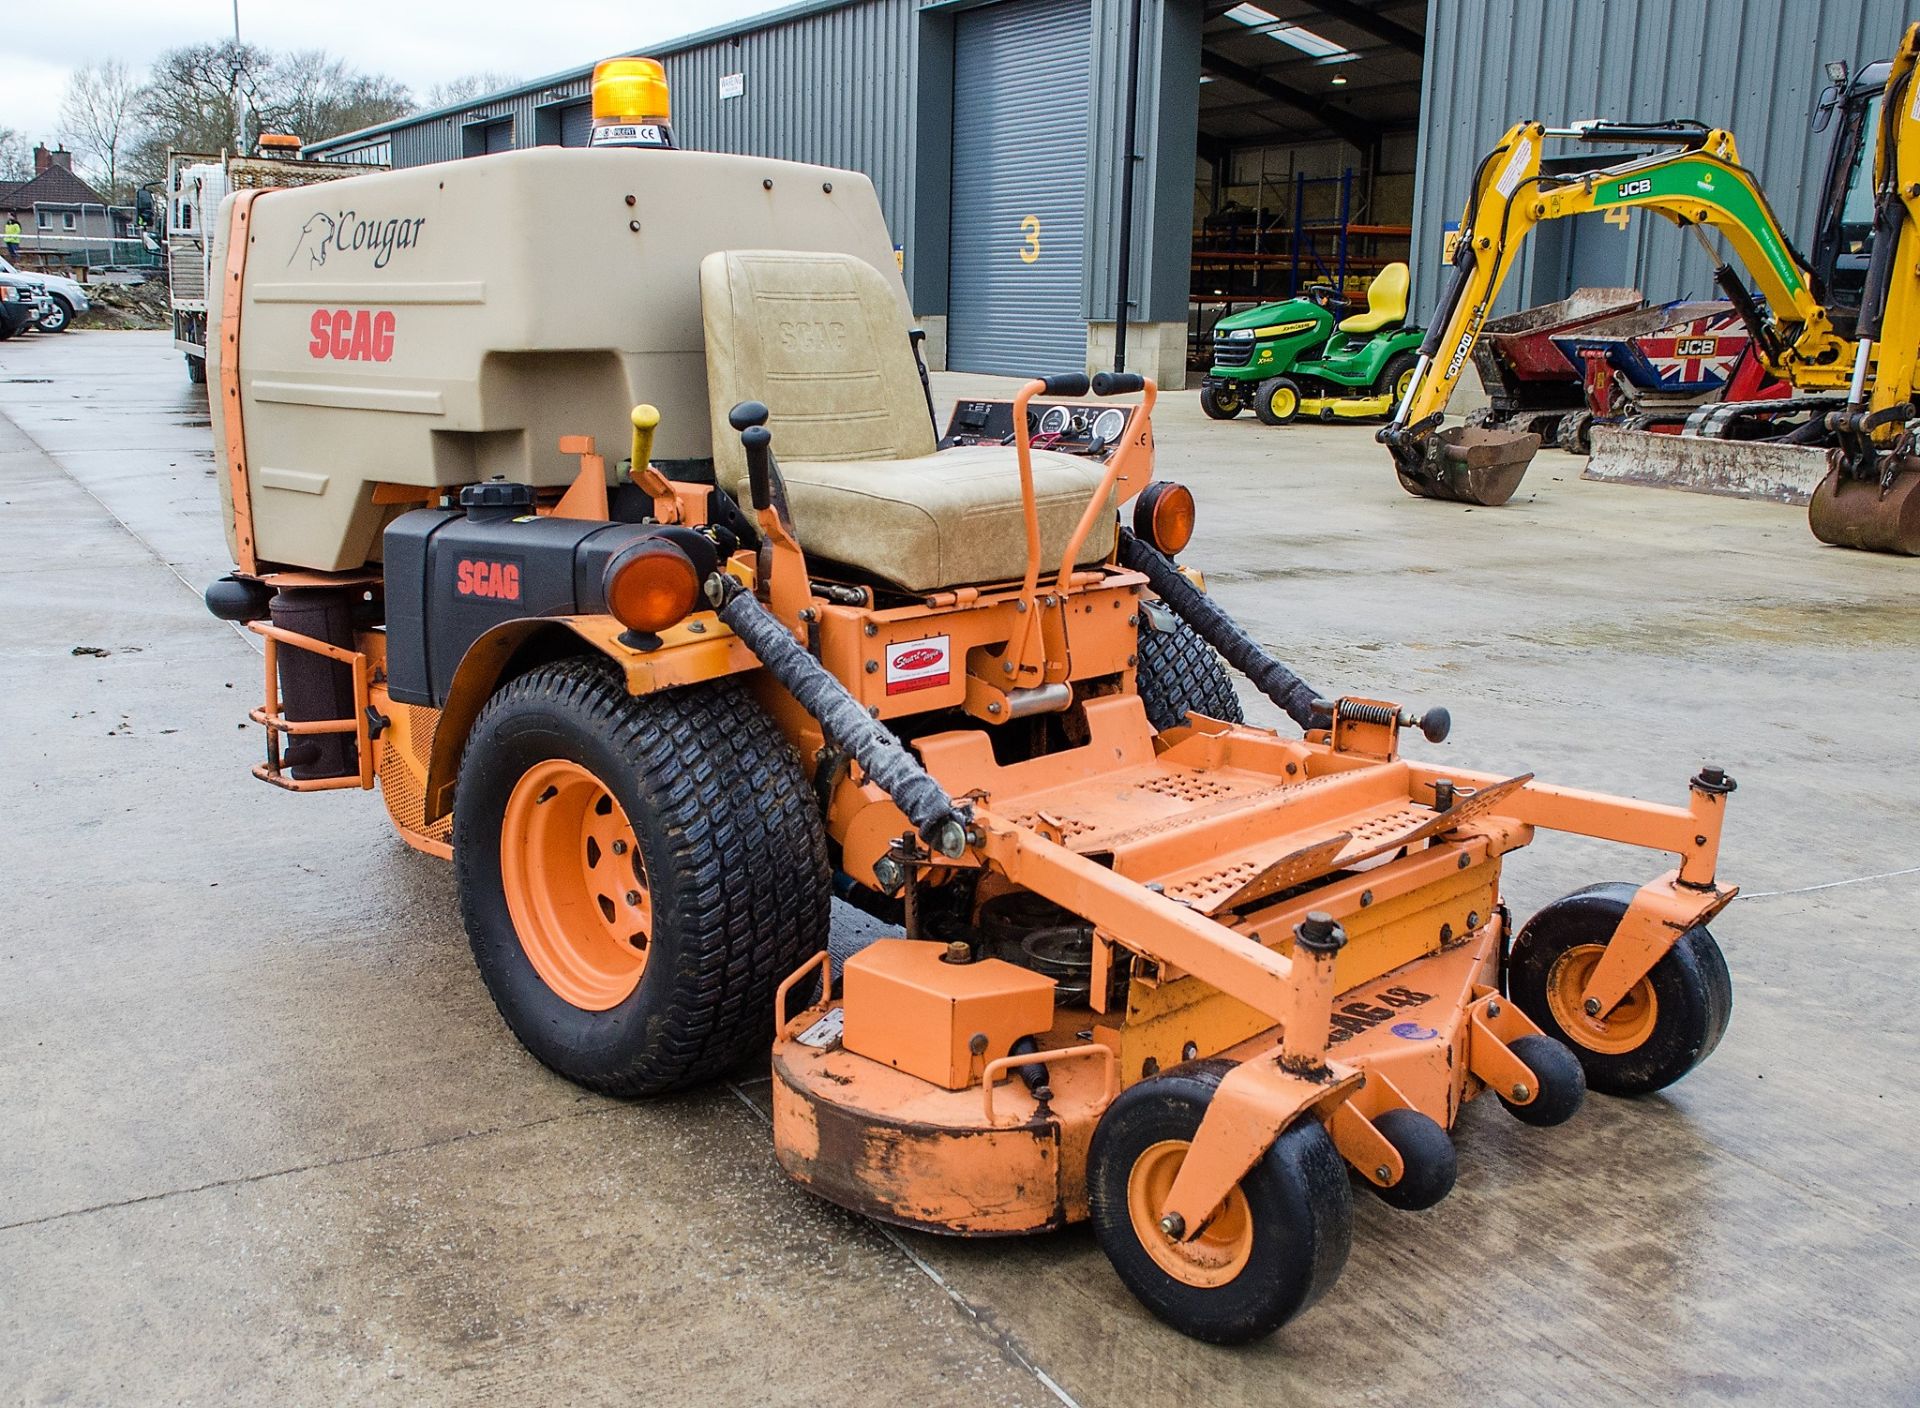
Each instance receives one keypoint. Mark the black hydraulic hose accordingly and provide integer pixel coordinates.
(884, 759)
(1222, 632)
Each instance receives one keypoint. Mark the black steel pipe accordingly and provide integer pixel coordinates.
(1222, 632)
(939, 820)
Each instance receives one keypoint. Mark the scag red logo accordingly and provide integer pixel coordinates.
(497, 581)
(343, 335)
(919, 664)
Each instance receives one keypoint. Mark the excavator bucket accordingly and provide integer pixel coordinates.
(1850, 512)
(1471, 465)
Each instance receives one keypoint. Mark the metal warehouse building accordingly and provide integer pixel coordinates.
(1277, 142)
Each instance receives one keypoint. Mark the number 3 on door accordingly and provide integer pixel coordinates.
(1030, 247)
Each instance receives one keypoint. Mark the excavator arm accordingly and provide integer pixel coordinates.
(1700, 186)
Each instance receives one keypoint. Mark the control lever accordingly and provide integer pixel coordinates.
(750, 419)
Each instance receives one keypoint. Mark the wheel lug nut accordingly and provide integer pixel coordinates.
(633, 897)
(619, 848)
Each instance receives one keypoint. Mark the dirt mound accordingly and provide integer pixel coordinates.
(142, 305)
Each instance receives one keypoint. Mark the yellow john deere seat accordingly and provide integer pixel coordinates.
(1386, 302)
(820, 339)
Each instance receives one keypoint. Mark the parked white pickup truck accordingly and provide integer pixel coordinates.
(65, 296)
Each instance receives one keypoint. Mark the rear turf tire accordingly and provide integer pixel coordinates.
(731, 867)
(1277, 401)
(1180, 673)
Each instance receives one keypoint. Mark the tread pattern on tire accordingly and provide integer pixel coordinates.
(749, 851)
(1179, 672)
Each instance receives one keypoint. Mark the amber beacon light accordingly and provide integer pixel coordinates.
(631, 105)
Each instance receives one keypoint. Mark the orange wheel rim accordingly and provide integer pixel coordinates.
(575, 885)
(1622, 1030)
(1223, 1247)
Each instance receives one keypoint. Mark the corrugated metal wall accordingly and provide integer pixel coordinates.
(834, 88)
(1751, 66)
(867, 85)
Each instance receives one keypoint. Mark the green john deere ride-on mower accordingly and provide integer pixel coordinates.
(1362, 372)
(1258, 344)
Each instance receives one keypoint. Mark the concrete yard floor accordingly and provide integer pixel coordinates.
(263, 1138)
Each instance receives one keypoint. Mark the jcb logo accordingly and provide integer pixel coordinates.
(1696, 347)
(496, 581)
(1626, 190)
(342, 335)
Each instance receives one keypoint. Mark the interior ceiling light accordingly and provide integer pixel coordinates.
(1339, 80)
(1295, 36)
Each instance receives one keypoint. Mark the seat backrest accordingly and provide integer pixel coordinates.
(821, 340)
(1387, 294)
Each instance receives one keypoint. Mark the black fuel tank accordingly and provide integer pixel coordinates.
(453, 574)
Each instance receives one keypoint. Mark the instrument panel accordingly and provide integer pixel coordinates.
(1065, 427)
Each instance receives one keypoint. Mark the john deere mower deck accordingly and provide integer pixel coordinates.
(1149, 965)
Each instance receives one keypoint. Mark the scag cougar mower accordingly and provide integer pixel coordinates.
(1150, 965)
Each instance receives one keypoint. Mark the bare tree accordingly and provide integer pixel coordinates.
(16, 162)
(98, 117)
(315, 95)
(468, 87)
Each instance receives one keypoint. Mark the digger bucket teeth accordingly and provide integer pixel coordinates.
(1850, 512)
(1468, 464)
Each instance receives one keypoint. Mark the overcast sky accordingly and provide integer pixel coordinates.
(419, 42)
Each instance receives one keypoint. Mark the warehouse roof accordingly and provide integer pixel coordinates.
(574, 75)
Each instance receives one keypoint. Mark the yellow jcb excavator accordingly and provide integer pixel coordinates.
(1843, 327)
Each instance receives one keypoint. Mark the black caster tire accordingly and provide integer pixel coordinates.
(1669, 1023)
(1277, 401)
(197, 370)
(1221, 402)
(1563, 1088)
(1431, 1164)
(1274, 1248)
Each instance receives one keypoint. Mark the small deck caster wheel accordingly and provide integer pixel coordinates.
(1669, 1021)
(1563, 1089)
(1427, 1152)
(1275, 1246)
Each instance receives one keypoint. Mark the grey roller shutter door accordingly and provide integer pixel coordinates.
(1021, 84)
(500, 136)
(576, 125)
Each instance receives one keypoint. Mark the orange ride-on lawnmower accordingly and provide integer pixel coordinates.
(1150, 966)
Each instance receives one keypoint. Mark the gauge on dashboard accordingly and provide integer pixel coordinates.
(1055, 420)
(1109, 425)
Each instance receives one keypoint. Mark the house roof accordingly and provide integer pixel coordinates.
(54, 186)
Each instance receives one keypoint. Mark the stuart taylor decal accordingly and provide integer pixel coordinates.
(919, 664)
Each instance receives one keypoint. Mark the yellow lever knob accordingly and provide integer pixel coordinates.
(646, 419)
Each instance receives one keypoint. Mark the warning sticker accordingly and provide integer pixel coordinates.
(919, 664)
